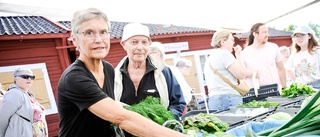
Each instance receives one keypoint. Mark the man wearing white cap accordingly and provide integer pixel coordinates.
(305, 58)
(138, 76)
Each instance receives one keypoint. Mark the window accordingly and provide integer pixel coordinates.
(203, 59)
(41, 86)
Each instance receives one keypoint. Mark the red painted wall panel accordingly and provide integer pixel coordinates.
(44, 50)
(31, 52)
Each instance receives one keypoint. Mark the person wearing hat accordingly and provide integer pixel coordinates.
(138, 76)
(86, 102)
(21, 115)
(304, 63)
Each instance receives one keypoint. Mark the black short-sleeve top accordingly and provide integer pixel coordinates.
(78, 90)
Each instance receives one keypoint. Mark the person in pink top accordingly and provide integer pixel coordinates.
(263, 57)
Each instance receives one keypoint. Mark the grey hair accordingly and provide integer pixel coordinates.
(157, 46)
(84, 15)
(19, 70)
(182, 62)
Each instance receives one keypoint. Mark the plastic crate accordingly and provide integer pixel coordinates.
(237, 120)
(195, 112)
(263, 93)
(232, 121)
(236, 124)
(247, 113)
(285, 101)
(291, 109)
(257, 118)
(262, 116)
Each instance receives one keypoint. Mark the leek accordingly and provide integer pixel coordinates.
(305, 122)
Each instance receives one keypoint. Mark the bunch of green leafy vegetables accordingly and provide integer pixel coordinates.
(174, 125)
(255, 103)
(152, 108)
(204, 123)
(297, 89)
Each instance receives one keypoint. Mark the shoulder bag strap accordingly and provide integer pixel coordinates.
(221, 76)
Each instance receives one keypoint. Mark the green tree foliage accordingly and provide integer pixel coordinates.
(290, 28)
(313, 26)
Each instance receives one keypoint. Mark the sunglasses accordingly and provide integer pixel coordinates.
(27, 77)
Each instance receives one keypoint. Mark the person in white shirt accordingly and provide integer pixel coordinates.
(222, 95)
(304, 63)
(156, 51)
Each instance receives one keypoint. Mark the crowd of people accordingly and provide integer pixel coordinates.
(91, 92)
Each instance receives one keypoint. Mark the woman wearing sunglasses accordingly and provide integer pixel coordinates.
(21, 115)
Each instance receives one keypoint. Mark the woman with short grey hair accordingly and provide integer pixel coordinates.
(21, 114)
(86, 102)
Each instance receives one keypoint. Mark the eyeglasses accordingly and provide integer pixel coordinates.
(299, 35)
(91, 34)
(27, 77)
(187, 66)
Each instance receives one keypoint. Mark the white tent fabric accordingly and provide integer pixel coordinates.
(212, 14)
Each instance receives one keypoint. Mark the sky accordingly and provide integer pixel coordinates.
(211, 14)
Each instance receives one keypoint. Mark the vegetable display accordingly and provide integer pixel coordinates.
(255, 103)
(305, 123)
(174, 125)
(152, 108)
(204, 123)
(297, 89)
(279, 116)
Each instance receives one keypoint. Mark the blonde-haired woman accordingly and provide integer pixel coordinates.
(222, 95)
(21, 114)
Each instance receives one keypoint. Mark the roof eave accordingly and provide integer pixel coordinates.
(34, 36)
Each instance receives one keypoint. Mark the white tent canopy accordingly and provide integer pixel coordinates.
(212, 14)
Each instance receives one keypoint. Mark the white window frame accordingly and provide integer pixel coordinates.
(199, 69)
(42, 66)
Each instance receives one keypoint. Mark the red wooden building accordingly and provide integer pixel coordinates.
(36, 39)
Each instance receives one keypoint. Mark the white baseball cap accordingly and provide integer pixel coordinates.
(303, 30)
(134, 29)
